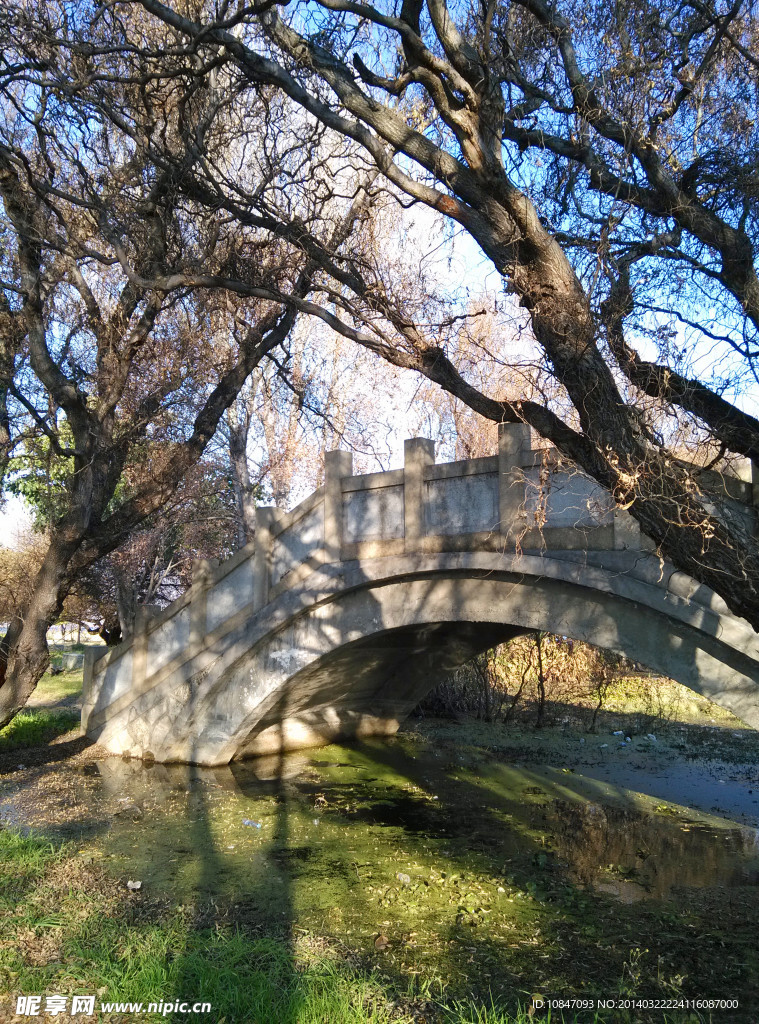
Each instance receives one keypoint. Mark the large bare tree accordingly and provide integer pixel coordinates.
(166, 167)
(604, 158)
(105, 352)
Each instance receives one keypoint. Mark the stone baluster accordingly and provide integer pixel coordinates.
(337, 466)
(88, 669)
(202, 578)
(418, 453)
(265, 519)
(755, 494)
(514, 453)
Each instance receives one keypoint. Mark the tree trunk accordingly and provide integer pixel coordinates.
(126, 602)
(26, 640)
(239, 428)
(541, 683)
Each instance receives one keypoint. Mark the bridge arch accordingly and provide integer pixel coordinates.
(361, 660)
(354, 648)
(345, 611)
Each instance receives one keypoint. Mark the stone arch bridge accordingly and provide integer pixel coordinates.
(341, 615)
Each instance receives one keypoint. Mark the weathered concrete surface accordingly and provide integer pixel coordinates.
(340, 620)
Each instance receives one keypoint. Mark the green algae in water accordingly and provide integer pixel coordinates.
(453, 871)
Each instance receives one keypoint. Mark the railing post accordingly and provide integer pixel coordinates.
(262, 558)
(88, 670)
(202, 572)
(140, 647)
(627, 535)
(418, 453)
(337, 465)
(755, 494)
(514, 451)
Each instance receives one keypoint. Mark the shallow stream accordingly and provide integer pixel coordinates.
(249, 823)
(436, 859)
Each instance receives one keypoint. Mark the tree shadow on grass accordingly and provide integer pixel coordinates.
(236, 954)
(231, 939)
(32, 758)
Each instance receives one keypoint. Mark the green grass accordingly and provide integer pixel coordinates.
(24, 855)
(53, 688)
(93, 942)
(242, 977)
(36, 726)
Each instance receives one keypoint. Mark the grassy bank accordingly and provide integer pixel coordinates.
(55, 688)
(50, 714)
(445, 877)
(68, 926)
(35, 727)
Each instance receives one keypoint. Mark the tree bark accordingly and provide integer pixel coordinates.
(26, 642)
(245, 499)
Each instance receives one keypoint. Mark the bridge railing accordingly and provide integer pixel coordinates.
(521, 497)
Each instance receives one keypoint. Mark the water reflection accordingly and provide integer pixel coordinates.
(147, 816)
(633, 855)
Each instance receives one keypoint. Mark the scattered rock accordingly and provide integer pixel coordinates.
(130, 808)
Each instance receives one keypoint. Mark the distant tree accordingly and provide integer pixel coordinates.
(321, 393)
(154, 563)
(17, 569)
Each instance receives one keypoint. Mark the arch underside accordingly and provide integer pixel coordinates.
(368, 656)
(368, 686)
